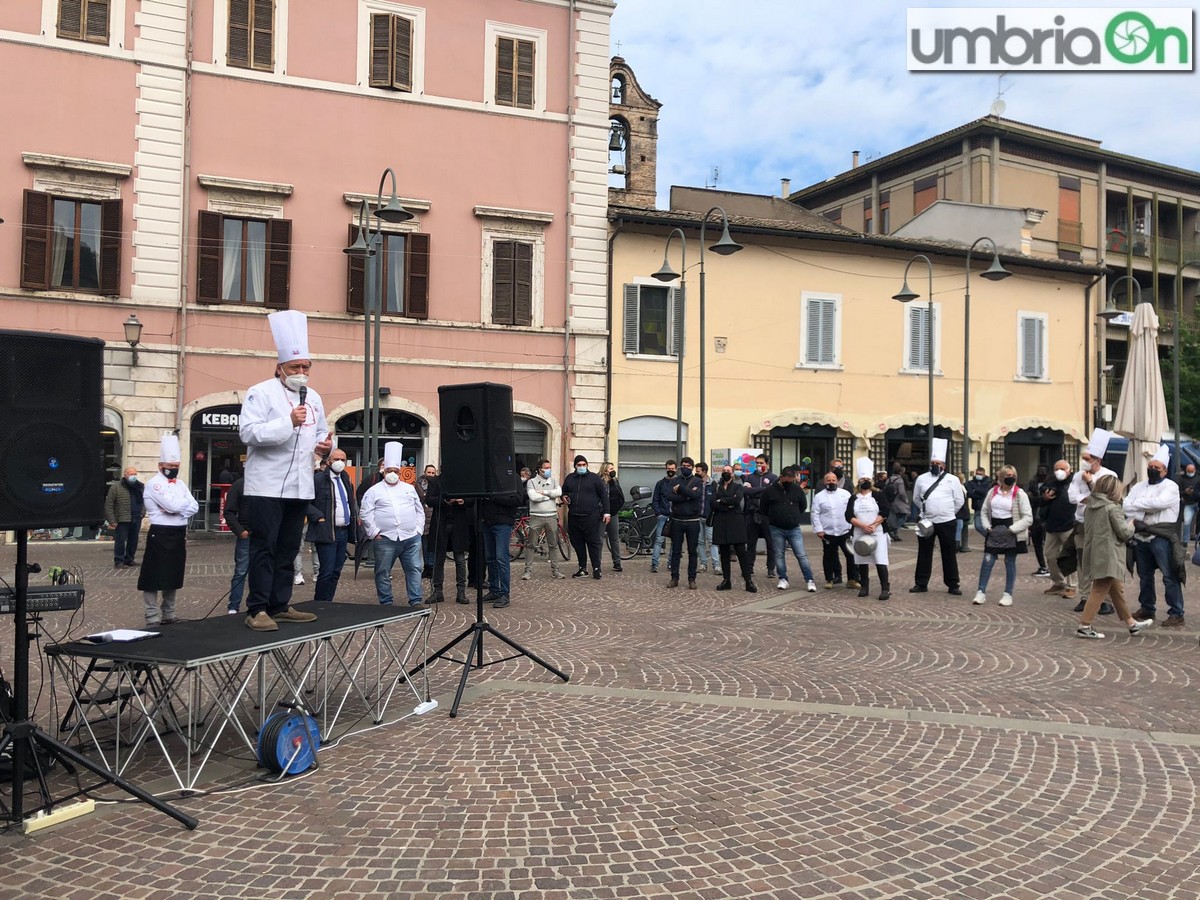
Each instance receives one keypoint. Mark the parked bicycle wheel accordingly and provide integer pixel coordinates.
(630, 540)
(516, 543)
(564, 543)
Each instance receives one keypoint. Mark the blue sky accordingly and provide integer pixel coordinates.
(770, 89)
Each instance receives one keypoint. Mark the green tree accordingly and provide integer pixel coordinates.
(1189, 378)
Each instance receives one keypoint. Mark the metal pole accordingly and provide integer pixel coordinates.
(703, 458)
(929, 265)
(679, 311)
(1176, 290)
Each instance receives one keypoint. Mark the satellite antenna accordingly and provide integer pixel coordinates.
(998, 105)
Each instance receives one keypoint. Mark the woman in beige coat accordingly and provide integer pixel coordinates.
(1105, 532)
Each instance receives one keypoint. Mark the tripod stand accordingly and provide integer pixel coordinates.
(476, 631)
(25, 739)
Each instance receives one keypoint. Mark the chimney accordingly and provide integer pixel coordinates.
(854, 159)
(785, 185)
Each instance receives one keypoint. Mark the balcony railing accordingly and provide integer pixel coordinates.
(1168, 250)
(1070, 234)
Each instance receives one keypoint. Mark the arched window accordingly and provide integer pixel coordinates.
(618, 90)
(618, 153)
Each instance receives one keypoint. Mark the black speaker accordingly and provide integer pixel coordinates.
(477, 440)
(51, 413)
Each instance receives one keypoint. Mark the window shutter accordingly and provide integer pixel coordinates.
(263, 37)
(70, 19)
(356, 278)
(381, 50)
(110, 248)
(238, 53)
(633, 330)
(522, 283)
(35, 241)
(505, 50)
(524, 91)
(279, 260)
(416, 267)
(820, 336)
(828, 332)
(676, 312)
(402, 29)
(1031, 347)
(208, 256)
(96, 29)
(918, 338)
(502, 283)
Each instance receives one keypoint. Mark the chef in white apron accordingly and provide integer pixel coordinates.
(866, 515)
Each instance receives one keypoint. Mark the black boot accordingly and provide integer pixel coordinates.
(462, 596)
(751, 588)
(885, 590)
(725, 585)
(437, 596)
(864, 581)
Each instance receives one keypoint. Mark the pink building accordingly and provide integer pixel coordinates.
(198, 163)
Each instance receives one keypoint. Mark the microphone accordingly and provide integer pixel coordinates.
(303, 393)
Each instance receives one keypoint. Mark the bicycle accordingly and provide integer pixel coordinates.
(636, 531)
(520, 541)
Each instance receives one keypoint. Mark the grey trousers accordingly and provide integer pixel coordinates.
(150, 602)
(1055, 542)
(549, 525)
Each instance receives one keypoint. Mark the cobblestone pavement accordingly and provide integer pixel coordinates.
(708, 745)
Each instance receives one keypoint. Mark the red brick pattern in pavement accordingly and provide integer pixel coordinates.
(783, 744)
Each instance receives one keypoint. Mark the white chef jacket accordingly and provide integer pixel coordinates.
(278, 455)
(168, 502)
(1154, 504)
(943, 504)
(1079, 490)
(829, 511)
(393, 510)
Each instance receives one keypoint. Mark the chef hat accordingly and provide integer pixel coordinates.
(393, 455)
(1098, 445)
(168, 451)
(1162, 454)
(940, 446)
(864, 468)
(289, 328)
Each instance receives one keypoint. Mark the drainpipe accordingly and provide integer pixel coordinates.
(1088, 324)
(568, 368)
(185, 231)
(608, 353)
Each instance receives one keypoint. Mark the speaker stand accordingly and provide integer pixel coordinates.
(25, 739)
(475, 632)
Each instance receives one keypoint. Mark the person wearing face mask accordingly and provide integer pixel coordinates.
(833, 528)
(429, 489)
(687, 500)
(1059, 521)
(1189, 496)
(1153, 505)
(123, 510)
(662, 508)
(865, 513)
(1091, 468)
(757, 526)
(586, 497)
(393, 518)
(616, 500)
(1007, 516)
(844, 480)
(282, 423)
(938, 496)
(543, 491)
(784, 504)
(729, 531)
(895, 495)
(169, 506)
(332, 523)
(977, 491)
(1037, 531)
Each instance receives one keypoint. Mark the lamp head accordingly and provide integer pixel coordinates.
(133, 330)
(393, 213)
(359, 248)
(907, 294)
(995, 272)
(726, 245)
(1110, 311)
(666, 273)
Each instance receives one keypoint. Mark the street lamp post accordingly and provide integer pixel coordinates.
(1178, 298)
(994, 272)
(1111, 311)
(666, 273)
(907, 295)
(367, 244)
(726, 246)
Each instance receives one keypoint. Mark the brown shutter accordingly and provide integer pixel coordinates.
(208, 258)
(35, 241)
(524, 98)
(263, 40)
(356, 278)
(238, 53)
(416, 269)
(381, 50)
(402, 29)
(523, 284)
(279, 260)
(505, 49)
(70, 19)
(110, 247)
(502, 283)
(96, 29)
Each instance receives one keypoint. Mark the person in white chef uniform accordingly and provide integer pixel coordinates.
(865, 513)
(169, 505)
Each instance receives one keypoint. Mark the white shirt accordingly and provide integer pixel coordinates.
(1153, 504)
(943, 504)
(542, 493)
(338, 491)
(1080, 490)
(393, 510)
(278, 455)
(168, 502)
(829, 512)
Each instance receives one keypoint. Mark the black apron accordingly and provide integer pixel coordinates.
(165, 558)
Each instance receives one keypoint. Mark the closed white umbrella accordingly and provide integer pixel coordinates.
(1142, 409)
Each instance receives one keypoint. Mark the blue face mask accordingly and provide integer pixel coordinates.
(581, 470)
(546, 473)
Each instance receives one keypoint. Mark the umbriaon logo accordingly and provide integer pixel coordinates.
(1092, 39)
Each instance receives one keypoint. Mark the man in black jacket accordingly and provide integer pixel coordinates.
(241, 549)
(1037, 531)
(662, 508)
(686, 499)
(332, 523)
(1059, 521)
(586, 496)
(783, 504)
(756, 483)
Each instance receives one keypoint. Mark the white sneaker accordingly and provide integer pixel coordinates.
(1006, 600)
(980, 598)
(299, 579)
(231, 612)
(1140, 625)
(527, 576)
(812, 588)
(783, 585)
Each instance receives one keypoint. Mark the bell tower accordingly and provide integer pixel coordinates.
(632, 139)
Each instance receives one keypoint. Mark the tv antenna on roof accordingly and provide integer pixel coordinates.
(715, 176)
(998, 105)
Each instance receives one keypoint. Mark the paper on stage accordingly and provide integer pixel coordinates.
(120, 635)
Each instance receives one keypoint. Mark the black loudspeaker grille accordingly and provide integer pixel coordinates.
(51, 459)
(477, 439)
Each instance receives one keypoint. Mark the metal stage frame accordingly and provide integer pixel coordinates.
(180, 692)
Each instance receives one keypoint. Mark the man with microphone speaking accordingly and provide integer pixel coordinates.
(282, 423)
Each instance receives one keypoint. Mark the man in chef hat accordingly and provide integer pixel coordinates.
(393, 518)
(938, 495)
(169, 505)
(1153, 505)
(1091, 470)
(282, 424)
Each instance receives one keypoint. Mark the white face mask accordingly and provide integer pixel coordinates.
(338, 465)
(295, 382)
(391, 477)
(1061, 474)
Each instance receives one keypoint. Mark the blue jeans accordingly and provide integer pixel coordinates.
(1010, 571)
(680, 532)
(782, 538)
(1189, 516)
(1151, 555)
(659, 540)
(979, 525)
(710, 549)
(387, 551)
(495, 546)
(241, 565)
(331, 557)
(125, 541)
